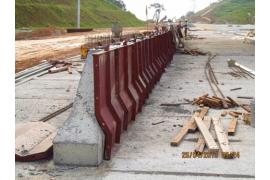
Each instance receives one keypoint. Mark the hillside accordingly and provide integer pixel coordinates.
(229, 11)
(62, 13)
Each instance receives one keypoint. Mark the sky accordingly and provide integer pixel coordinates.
(173, 8)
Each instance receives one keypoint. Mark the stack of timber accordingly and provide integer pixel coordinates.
(217, 144)
(214, 102)
(193, 52)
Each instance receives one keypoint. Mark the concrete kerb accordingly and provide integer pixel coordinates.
(81, 140)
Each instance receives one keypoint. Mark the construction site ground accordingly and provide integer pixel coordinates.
(145, 151)
(32, 52)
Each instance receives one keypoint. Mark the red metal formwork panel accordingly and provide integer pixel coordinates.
(147, 68)
(113, 93)
(171, 45)
(165, 49)
(142, 71)
(156, 57)
(139, 84)
(144, 59)
(102, 111)
(163, 55)
(128, 52)
(152, 59)
(125, 96)
(128, 96)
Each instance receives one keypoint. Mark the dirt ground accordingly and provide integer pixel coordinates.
(32, 52)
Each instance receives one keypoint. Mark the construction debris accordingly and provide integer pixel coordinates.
(233, 63)
(226, 149)
(212, 80)
(193, 52)
(158, 123)
(209, 140)
(202, 113)
(34, 141)
(59, 66)
(245, 97)
(234, 89)
(233, 114)
(247, 118)
(199, 146)
(214, 102)
(224, 113)
(176, 140)
(232, 127)
(189, 126)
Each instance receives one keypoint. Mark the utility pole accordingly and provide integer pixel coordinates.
(78, 14)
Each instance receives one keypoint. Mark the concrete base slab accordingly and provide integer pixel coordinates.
(81, 141)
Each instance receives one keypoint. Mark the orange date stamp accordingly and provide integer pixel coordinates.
(226, 155)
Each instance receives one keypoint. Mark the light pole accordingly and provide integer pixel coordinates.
(78, 14)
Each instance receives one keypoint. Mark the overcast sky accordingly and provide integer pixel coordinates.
(174, 8)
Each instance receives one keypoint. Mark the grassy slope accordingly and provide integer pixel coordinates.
(62, 13)
(232, 11)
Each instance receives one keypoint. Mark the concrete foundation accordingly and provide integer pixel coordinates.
(81, 141)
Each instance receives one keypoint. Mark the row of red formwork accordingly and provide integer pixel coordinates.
(123, 79)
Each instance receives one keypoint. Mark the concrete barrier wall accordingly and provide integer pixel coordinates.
(113, 88)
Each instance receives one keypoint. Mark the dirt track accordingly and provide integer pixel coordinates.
(31, 52)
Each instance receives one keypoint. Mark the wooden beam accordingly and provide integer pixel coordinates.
(176, 140)
(233, 114)
(210, 142)
(232, 101)
(226, 149)
(193, 126)
(232, 127)
(199, 146)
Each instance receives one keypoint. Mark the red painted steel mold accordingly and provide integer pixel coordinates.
(123, 79)
(113, 94)
(125, 96)
(139, 84)
(102, 111)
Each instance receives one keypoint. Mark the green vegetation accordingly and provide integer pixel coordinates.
(63, 13)
(231, 11)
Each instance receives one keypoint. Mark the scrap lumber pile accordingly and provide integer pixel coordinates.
(59, 66)
(214, 102)
(193, 52)
(206, 138)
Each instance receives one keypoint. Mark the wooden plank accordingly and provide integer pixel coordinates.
(233, 114)
(232, 127)
(226, 149)
(197, 100)
(245, 108)
(210, 142)
(224, 113)
(199, 146)
(33, 141)
(193, 126)
(176, 140)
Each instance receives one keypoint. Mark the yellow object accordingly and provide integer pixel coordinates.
(84, 52)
